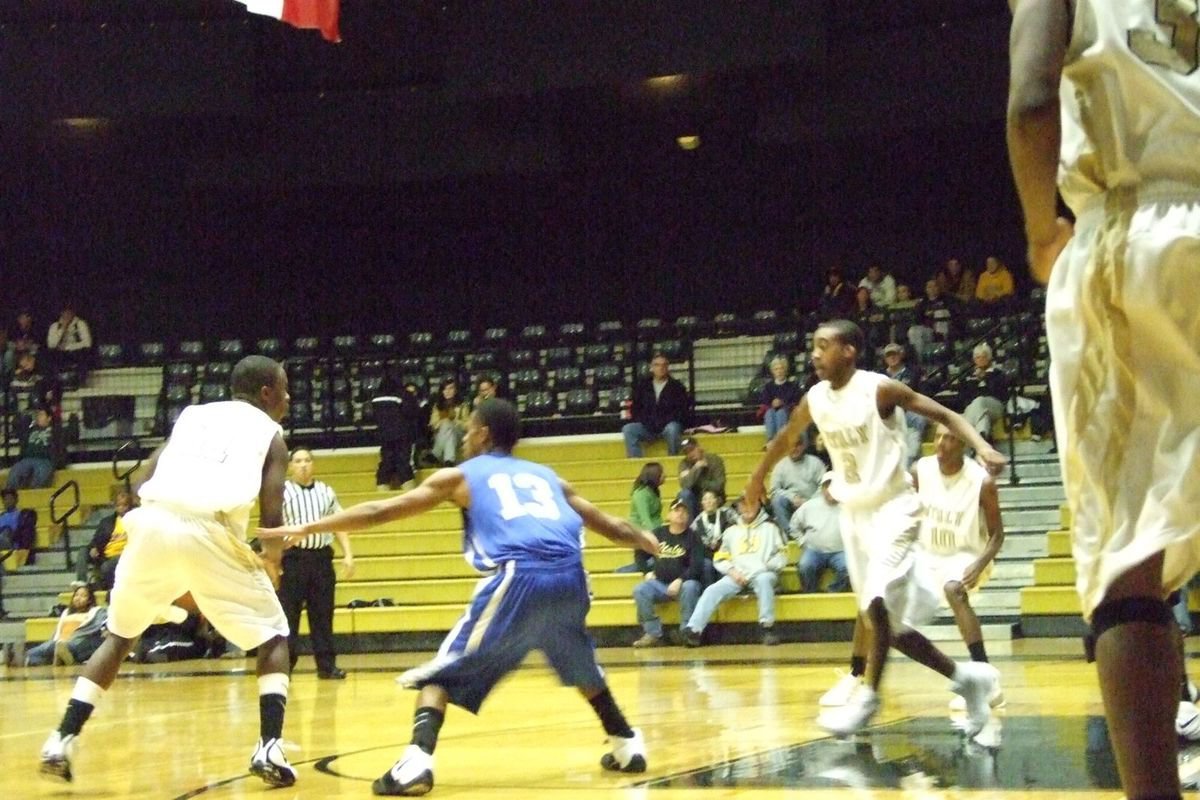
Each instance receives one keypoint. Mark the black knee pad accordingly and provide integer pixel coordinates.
(1112, 613)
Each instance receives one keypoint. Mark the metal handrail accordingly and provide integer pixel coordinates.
(124, 476)
(61, 519)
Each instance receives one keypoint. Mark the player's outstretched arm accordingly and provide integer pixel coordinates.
(781, 445)
(445, 484)
(612, 528)
(893, 393)
(1037, 47)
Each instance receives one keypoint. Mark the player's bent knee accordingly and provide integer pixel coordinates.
(1113, 613)
(956, 593)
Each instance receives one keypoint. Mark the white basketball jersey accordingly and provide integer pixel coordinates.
(868, 452)
(213, 461)
(1131, 99)
(951, 521)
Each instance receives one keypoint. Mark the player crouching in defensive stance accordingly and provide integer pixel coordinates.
(860, 416)
(524, 529)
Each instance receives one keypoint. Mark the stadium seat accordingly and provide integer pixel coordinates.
(459, 339)
(271, 348)
(368, 387)
(522, 359)
(527, 380)
(230, 350)
(301, 415)
(411, 364)
(382, 343)
(495, 337)
(596, 354)
(726, 323)
(673, 349)
(580, 401)
(218, 372)
(110, 355)
(540, 404)
(420, 340)
(615, 399)
(764, 321)
(568, 378)
(786, 342)
(178, 394)
(306, 347)
(610, 331)
(444, 363)
(687, 326)
(572, 332)
(346, 346)
(151, 354)
(343, 413)
(192, 350)
(485, 359)
(533, 335)
(180, 373)
(608, 375)
(556, 357)
(212, 391)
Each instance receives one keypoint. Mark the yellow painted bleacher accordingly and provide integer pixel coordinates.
(417, 563)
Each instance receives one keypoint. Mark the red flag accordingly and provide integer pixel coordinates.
(320, 15)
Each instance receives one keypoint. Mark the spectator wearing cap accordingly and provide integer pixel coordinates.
(984, 392)
(751, 555)
(795, 479)
(816, 525)
(699, 472)
(895, 367)
(675, 575)
(659, 410)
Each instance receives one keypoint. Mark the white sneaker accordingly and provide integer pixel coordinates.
(842, 691)
(977, 686)
(853, 716)
(270, 764)
(57, 753)
(1187, 721)
(412, 775)
(627, 755)
(957, 703)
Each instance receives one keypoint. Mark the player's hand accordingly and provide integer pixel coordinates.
(1043, 255)
(274, 568)
(347, 567)
(738, 577)
(673, 588)
(992, 460)
(288, 534)
(970, 578)
(647, 542)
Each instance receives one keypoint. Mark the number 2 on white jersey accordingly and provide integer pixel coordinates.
(541, 503)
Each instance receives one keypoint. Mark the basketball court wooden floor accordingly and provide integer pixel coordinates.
(719, 722)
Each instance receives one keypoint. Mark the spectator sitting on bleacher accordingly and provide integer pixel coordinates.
(881, 286)
(35, 467)
(645, 506)
(795, 479)
(26, 374)
(104, 551)
(448, 422)
(895, 368)
(984, 391)
(20, 522)
(816, 526)
(486, 390)
(957, 281)
(22, 336)
(675, 575)
(699, 472)
(904, 297)
(838, 297)
(658, 410)
(779, 396)
(69, 339)
(752, 554)
(79, 632)
(710, 525)
(935, 319)
(995, 288)
(7, 359)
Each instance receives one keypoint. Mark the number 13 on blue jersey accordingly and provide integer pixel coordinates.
(512, 491)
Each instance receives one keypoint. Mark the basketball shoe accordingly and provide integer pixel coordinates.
(1187, 721)
(977, 684)
(852, 717)
(270, 764)
(57, 753)
(412, 775)
(627, 755)
(957, 703)
(842, 691)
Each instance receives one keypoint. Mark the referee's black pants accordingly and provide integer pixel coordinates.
(308, 580)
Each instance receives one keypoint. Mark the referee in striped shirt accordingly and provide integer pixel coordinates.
(308, 578)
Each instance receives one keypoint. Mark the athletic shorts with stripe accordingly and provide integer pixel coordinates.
(518, 609)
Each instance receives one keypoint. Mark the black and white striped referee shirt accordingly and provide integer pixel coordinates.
(305, 504)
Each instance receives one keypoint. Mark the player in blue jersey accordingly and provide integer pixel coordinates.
(523, 527)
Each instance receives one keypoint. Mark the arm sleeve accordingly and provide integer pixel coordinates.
(54, 335)
(716, 473)
(85, 333)
(689, 480)
(723, 558)
(639, 510)
(775, 556)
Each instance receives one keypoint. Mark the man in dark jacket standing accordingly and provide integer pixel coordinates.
(660, 407)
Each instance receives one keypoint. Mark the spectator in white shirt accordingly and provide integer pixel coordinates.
(816, 526)
(881, 285)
